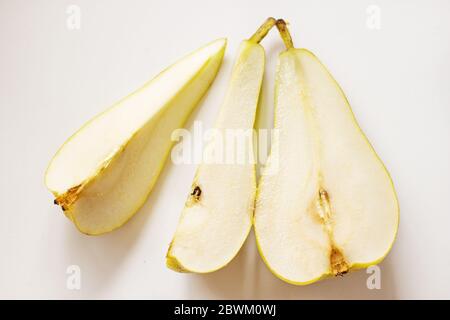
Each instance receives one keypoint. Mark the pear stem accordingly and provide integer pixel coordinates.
(284, 33)
(263, 30)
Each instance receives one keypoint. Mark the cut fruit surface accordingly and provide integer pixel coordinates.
(218, 213)
(102, 175)
(331, 206)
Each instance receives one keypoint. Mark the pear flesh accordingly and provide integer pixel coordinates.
(103, 174)
(218, 213)
(331, 207)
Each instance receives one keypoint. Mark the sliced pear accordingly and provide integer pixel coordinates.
(102, 175)
(331, 207)
(217, 216)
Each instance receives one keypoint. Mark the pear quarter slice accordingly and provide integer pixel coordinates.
(218, 213)
(331, 207)
(102, 175)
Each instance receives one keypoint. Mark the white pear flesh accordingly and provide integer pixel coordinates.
(331, 206)
(218, 213)
(103, 174)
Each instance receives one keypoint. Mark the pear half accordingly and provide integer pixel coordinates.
(331, 206)
(217, 216)
(102, 175)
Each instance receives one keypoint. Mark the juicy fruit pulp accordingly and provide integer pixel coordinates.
(102, 175)
(331, 206)
(217, 216)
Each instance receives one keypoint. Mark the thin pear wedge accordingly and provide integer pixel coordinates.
(218, 213)
(103, 174)
(331, 207)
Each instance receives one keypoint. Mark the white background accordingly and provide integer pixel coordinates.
(52, 79)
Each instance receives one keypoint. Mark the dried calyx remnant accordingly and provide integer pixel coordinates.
(338, 264)
(68, 198)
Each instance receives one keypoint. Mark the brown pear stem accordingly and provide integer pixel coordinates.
(284, 33)
(263, 30)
